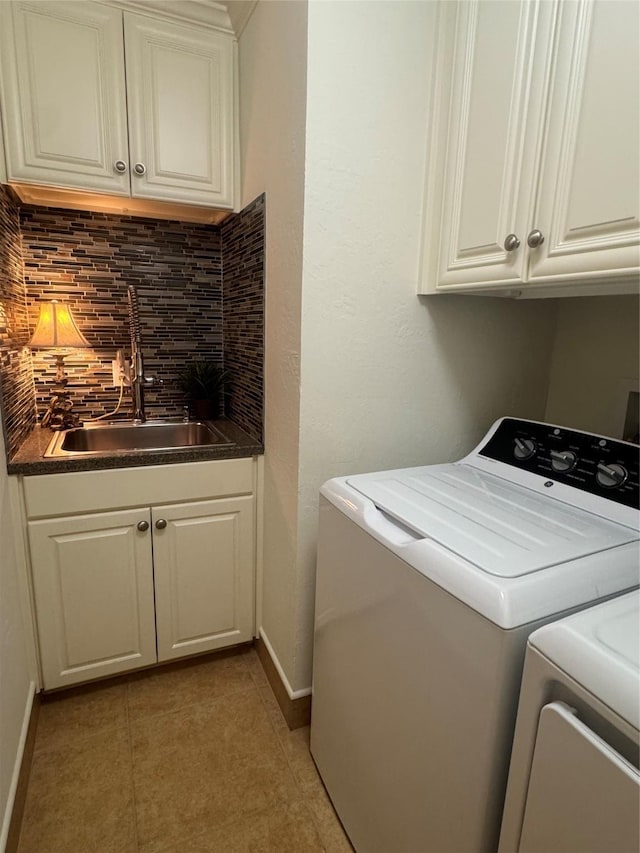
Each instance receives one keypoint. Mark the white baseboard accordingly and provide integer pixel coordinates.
(8, 809)
(291, 693)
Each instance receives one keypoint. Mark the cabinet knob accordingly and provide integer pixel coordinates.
(139, 168)
(535, 239)
(143, 525)
(161, 524)
(120, 166)
(511, 243)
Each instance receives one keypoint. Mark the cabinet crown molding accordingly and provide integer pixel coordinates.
(205, 12)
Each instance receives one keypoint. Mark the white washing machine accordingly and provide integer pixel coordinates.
(429, 582)
(574, 785)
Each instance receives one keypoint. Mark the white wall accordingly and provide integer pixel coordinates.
(272, 55)
(595, 363)
(360, 373)
(16, 687)
(387, 379)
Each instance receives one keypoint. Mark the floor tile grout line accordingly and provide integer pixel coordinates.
(133, 775)
(301, 789)
(281, 745)
(78, 736)
(206, 701)
(188, 706)
(225, 825)
(280, 740)
(304, 793)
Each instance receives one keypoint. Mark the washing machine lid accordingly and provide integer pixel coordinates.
(600, 649)
(503, 528)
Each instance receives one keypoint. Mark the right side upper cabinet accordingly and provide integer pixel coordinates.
(533, 180)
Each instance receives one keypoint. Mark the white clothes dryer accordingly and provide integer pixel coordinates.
(429, 582)
(574, 783)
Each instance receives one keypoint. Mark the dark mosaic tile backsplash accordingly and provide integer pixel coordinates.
(16, 380)
(89, 259)
(243, 326)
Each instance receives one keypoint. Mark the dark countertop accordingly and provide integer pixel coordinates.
(30, 460)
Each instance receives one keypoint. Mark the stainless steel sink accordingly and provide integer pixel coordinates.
(126, 437)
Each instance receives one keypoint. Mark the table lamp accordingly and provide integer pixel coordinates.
(56, 330)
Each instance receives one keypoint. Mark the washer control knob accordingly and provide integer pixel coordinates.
(563, 460)
(611, 476)
(524, 448)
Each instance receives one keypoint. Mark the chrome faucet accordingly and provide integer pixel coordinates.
(137, 378)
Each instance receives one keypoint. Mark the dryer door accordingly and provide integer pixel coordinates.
(583, 796)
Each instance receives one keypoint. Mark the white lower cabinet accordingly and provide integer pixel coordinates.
(93, 589)
(121, 589)
(203, 565)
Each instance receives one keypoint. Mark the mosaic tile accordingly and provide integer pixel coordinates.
(200, 293)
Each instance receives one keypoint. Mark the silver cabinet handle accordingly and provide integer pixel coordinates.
(511, 243)
(139, 168)
(120, 166)
(143, 525)
(161, 524)
(535, 239)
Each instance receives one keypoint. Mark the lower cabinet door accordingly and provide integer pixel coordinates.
(93, 587)
(204, 575)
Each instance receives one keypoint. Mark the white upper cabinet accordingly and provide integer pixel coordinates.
(180, 87)
(64, 99)
(496, 105)
(589, 194)
(71, 120)
(532, 181)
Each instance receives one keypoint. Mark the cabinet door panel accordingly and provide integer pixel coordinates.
(64, 94)
(501, 60)
(93, 585)
(180, 85)
(204, 577)
(589, 200)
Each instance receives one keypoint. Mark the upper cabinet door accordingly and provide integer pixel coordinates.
(180, 106)
(63, 94)
(501, 56)
(589, 198)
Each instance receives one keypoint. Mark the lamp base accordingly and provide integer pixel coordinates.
(59, 415)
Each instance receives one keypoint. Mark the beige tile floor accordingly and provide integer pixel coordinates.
(193, 759)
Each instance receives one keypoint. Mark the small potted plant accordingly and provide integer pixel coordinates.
(203, 382)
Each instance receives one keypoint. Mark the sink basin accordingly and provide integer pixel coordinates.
(127, 437)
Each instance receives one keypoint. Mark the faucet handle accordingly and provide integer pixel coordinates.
(185, 414)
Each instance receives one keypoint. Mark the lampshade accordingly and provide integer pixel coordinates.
(56, 328)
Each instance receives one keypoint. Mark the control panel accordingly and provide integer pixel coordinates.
(601, 466)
